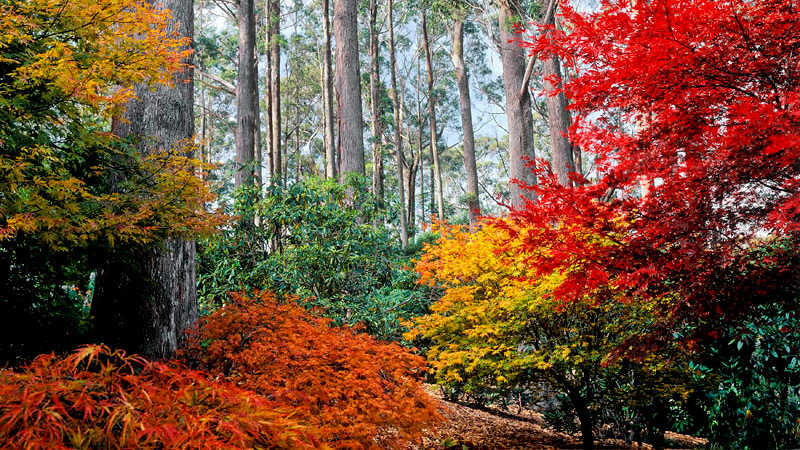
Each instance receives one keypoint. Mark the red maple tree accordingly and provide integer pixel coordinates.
(692, 112)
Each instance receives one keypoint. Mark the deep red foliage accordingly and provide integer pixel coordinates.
(692, 109)
(98, 398)
(355, 391)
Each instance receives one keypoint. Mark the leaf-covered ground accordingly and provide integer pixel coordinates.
(467, 427)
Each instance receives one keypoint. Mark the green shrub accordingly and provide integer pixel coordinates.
(310, 241)
(753, 377)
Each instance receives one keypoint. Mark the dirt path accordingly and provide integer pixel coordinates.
(471, 428)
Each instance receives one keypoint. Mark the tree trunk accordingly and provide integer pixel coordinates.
(412, 191)
(518, 106)
(465, 103)
(576, 150)
(398, 129)
(587, 431)
(348, 88)
(327, 93)
(268, 89)
(437, 173)
(246, 96)
(375, 105)
(558, 119)
(421, 160)
(145, 298)
(259, 157)
(275, 91)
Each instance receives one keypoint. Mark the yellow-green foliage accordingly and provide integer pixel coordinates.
(498, 326)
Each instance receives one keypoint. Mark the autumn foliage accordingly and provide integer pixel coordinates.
(690, 111)
(99, 398)
(353, 390)
(275, 376)
(66, 68)
(498, 328)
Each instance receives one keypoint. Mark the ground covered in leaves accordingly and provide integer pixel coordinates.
(468, 427)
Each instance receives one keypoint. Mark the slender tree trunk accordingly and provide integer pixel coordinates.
(204, 132)
(268, 90)
(327, 92)
(398, 129)
(296, 101)
(348, 88)
(375, 105)
(145, 298)
(465, 104)
(437, 172)
(421, 167)
(576, 150)
(297, 155)
(411, 183)
(275, 91)
(558, 118)
(258, 176)
(518, 106)
(246, 95)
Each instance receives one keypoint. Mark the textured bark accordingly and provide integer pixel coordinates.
(259, 156)
(348, 88)
(558, 119)
(275, 91)
(268, 90)
(327, 92)
(437, 172)
(145, 297)
(246, 96)
(375, 105)
(465, 104)
(398, 129)
(420, 160)
(518, 106)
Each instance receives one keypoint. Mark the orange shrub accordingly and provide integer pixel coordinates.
(96, 398)
(355, 391)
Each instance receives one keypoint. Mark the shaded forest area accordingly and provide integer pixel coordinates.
(399, 224)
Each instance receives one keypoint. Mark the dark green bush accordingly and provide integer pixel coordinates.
(311, 241)
(753, 374)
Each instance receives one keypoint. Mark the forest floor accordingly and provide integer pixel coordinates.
(466, 427)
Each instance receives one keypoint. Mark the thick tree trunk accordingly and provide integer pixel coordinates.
(398, 129)
(558, 119)
(275, 91)
(145, 298)
(518, 106)
(587, 429)
(437, 172)
(327, 92)
(246, 96)
(465, 104)
(348, 88)
(375, 105)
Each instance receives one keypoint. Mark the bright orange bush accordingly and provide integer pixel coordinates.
(98, 398)
(355, 391)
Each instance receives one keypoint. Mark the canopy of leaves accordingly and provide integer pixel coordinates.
(498, 327)
(67, 67)
(712, 92)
